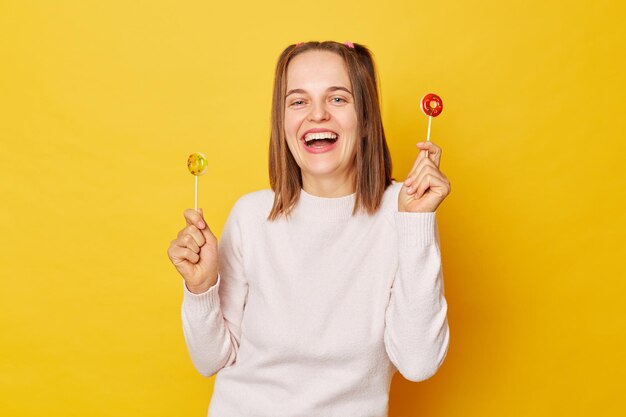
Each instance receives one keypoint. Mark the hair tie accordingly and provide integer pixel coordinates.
(349, 44)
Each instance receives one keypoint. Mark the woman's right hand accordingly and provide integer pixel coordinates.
(194, 253)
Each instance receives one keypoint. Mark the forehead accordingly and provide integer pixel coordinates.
(317, 69)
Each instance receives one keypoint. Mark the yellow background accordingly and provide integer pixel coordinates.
(101, 103)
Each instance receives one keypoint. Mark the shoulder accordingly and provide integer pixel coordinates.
(254, 203)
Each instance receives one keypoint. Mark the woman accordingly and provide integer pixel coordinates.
(331, 281)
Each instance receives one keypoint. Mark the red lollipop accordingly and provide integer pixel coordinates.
(432, 106)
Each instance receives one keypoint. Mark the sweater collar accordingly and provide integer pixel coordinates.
(329, 208)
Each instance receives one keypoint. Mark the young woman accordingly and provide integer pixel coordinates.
(328, 283)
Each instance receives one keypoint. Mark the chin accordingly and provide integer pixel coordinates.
(322, 171)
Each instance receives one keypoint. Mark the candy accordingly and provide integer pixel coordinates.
(432, 105)
(197, 164)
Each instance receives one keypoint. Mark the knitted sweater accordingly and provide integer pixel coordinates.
(312, 315)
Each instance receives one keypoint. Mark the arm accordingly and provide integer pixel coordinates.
(416, 325)
(212, 319)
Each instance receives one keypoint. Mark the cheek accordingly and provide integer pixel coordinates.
(349, 120)
(350, 125)
(292, 123)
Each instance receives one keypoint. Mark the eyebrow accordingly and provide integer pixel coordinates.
(333, 88)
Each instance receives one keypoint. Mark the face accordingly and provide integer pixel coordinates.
(319, 99)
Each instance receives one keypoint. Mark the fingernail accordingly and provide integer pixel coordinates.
(201, 225)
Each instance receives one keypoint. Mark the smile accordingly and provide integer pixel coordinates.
(319, 141)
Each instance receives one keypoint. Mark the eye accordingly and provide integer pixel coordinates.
(341, 99)
(297, 102)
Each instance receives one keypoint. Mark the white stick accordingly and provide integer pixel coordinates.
(196, 192)
(430, 118)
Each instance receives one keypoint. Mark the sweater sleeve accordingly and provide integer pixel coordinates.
(212, 320)
(416, 326)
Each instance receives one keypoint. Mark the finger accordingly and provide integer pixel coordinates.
(181, 254)
(434, 182)
(196, 234)
(434, 151)
(182, 265)
(417, 177)
(410, 181)
(190, 242)
(434, 154)
(423, 162)
(192, 217)
(208, 235)
(423, 185)
(430, 163)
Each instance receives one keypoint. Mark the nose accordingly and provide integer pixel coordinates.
(318, 113)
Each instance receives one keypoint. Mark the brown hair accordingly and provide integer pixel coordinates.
(373, 160)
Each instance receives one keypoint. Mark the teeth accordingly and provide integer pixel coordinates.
(320, 135)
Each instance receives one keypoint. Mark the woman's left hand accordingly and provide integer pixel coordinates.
(425, 187)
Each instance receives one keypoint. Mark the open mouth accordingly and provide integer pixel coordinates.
(320, 139)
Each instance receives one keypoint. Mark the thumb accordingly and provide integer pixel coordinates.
(202, 215)
(206, 231)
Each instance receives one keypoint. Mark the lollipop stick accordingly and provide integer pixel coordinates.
(430, 119)
(196, 193)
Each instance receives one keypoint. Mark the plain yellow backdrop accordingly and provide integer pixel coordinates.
(102, 102)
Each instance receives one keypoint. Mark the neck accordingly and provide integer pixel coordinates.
(329, 187)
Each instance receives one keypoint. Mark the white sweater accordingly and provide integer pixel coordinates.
(312, 316)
